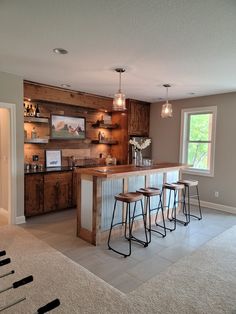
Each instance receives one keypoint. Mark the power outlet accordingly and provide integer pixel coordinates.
(216, 194)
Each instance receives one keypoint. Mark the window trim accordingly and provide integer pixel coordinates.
(184, 135)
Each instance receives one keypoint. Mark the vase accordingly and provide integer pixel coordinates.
(139, 158)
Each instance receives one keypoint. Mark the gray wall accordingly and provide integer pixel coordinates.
(11, 91)
(166, 142)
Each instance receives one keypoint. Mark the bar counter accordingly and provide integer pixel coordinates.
(98, 186)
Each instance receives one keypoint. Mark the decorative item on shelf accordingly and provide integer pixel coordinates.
(166, 111)
(138, 147)
(119, 98)
(99, 135)
(101, 120)
(33, 133)
(25, 134)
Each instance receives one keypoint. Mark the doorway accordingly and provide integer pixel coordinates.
(7, 164)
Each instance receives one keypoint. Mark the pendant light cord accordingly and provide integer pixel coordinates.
(120, 82)
(167, 95)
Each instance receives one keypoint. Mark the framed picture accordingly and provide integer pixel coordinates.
(67, 127)
(53, 158)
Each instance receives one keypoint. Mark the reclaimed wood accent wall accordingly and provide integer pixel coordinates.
(78, 148)
(36, 91)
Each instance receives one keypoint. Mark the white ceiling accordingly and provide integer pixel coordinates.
(190, 44)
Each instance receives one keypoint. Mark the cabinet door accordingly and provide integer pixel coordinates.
(33, 194)
(57, 191)
(139, 115)
(65, 191)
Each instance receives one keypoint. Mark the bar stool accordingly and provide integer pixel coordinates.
(175, 188)
(148, 193)
(187, 185)
(128, 198)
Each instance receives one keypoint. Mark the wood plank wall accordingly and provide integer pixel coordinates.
(58, 101)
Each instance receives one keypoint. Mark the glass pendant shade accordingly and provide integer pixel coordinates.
(119, 101)
(166, 111)
(119, 97)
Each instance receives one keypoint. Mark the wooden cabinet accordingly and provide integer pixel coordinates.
(139, 115)
(48, 192)
(57, 191)
(33, 195)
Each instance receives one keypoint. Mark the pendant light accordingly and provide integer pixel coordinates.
(119, 97)
(166, 111)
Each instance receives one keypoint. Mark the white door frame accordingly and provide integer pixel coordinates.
(12, 185)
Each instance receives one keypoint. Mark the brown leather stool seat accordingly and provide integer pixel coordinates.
(150, 191)
(129, 197)
(173, 186)
(128, 220)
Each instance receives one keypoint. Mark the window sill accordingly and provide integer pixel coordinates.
(199, 173)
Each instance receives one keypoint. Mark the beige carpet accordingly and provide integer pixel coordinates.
(204, 282)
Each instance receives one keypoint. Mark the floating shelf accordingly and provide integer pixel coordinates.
(35, 119)
(113, 142)
(36, 141)
(105, 126)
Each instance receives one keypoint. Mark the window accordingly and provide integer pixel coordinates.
(197, 141)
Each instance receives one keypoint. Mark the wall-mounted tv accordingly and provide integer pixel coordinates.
(67, 127)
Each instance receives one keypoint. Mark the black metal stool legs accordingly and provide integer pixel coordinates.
(160, 206)
(144, 243)
(187, 191)
(128, 225)
(172, 217)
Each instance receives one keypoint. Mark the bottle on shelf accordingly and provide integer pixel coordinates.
(28, 111)
(31, 111)
(37, 112)
(25, 110)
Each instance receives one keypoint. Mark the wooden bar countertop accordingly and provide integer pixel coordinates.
(127, 170)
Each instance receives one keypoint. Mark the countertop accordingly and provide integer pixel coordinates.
(49, 170)
(126, 170)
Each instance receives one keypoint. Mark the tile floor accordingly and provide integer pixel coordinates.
(58, 230)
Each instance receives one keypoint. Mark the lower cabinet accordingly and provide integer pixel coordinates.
(33, 195)
(48, 192)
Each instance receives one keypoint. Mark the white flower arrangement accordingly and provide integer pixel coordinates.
(142, 145)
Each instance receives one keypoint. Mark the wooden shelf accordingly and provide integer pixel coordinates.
(36, 120)
(113, 142)
(105, 126)
(36, 141)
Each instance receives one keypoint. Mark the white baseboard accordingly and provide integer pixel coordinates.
(223, 208)
(20, 220)
(4, 212)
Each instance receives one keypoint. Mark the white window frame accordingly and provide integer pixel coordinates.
(184, 136)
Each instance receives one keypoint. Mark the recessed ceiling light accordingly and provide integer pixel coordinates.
(60, 51)
(65, 85)
(191, 93)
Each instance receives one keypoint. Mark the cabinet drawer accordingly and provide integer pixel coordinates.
(57, 177)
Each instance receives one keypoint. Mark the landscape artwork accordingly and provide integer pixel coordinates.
(67, 127)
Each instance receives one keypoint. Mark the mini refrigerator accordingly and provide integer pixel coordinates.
(147, 152)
